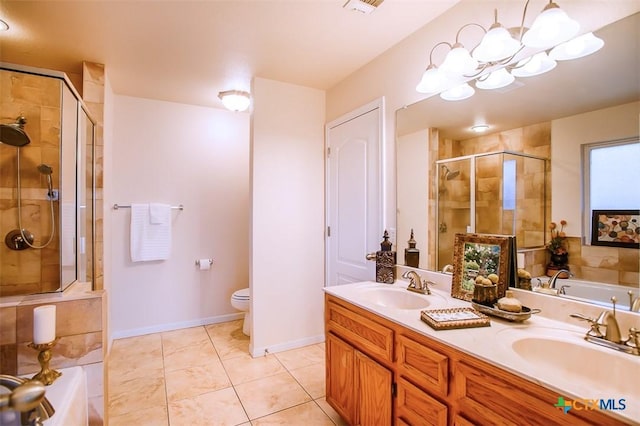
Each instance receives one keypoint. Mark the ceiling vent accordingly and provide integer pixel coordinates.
(363, 6)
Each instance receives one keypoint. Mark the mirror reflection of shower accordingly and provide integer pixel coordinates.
(14, 135)
(448, 174)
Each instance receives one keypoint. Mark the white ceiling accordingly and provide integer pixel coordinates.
(188, 51)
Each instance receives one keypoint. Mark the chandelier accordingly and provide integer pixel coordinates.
(504, 54)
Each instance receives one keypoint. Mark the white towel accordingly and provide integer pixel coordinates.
(148, 241)
(159, 214)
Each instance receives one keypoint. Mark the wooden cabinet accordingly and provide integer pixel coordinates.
(435, 384)
(358, 388)
(359, 355)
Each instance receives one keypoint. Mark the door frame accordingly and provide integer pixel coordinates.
(364, 109)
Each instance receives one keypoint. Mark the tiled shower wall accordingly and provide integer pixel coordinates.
(38, 99)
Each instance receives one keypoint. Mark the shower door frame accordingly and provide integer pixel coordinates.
(472, 189)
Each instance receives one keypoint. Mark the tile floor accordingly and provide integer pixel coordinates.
(205, 376)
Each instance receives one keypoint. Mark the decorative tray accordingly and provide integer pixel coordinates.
(451, 318)
(509, 316)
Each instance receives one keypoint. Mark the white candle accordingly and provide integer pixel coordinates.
(44, 324)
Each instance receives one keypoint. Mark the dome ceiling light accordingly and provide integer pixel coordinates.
(500, 56)
(235, 100)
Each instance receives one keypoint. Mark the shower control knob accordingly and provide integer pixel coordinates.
(15, 241)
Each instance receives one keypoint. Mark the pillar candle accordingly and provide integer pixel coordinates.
(44, 324)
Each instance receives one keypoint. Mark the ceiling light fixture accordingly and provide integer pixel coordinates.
(479, 128)
(235, 100)
(505, 54)
(3, 25)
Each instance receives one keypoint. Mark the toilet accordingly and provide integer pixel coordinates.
(241, 301)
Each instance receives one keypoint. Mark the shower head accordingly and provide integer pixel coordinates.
(45, 169)
(13, 134)
(448, 174)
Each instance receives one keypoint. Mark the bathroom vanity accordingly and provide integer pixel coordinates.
(385, 366)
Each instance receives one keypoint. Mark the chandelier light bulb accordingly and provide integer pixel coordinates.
(551, 27)
(433, 80)
(458, 93)
(579, 47)
(497, 44)
(496, 80)
(458, 61)
(535, 65)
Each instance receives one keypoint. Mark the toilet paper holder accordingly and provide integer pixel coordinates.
(199, 261)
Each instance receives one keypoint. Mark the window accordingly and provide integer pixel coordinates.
(611, 178)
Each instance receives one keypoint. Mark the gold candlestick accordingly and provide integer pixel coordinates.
(46, 375)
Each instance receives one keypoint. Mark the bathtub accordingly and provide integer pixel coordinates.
(67, 395)
(598, 293)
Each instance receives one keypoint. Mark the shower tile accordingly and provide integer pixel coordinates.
(221, 407)
(155, 416)
(189, 356)
(137, 394)
(8, 325)
(194, 381)
(312, 379)
(305, 414)
(244, 368)
(270, 394)
(301, 357)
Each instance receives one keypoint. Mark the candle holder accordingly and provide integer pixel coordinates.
(46, 375)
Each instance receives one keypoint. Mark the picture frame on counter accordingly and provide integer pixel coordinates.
(482, 255)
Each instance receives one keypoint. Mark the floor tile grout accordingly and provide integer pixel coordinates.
(222, 341)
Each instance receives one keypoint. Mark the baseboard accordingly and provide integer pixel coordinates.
(175, 326)
(285, 346)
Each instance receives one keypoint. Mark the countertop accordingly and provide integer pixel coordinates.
(576, 369)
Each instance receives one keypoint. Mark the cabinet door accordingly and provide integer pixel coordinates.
(373, 391)
(416, 407)
(340, 382)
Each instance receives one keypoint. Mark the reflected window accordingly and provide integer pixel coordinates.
(611, 176)
(509, 185)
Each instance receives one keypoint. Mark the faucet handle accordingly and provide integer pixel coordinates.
(632, 340)
(595, 325)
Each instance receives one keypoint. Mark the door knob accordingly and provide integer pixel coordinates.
(371, 256)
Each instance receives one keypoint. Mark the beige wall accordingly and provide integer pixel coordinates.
(287, 216)
(178, 154)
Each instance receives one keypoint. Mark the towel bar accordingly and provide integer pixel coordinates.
(121, 206)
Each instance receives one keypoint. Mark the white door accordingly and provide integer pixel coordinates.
(354, 198)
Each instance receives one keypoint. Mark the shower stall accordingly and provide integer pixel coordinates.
(491, 193)
(46, 182)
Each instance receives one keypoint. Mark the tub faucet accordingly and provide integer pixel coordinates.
(554, 278)
(26, 397)
(416, 283)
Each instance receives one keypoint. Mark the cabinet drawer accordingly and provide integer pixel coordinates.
(416, 407)
(423, 365)
(368, 336)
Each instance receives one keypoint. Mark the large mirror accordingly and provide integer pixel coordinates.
(592, 99)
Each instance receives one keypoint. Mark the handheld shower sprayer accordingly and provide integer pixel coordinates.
(47, 170)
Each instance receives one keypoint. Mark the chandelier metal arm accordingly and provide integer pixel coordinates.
(468, 25)
(434, 48)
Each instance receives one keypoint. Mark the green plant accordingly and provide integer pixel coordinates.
(558, 242)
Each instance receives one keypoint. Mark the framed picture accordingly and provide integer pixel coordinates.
(480, 255)
(615, 228)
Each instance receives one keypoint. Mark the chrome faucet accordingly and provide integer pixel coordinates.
(554, 278)
(612, 337)
(26, 397)
(416, 283)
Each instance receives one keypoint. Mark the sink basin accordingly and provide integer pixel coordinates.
(596, 367)
(395, 298)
